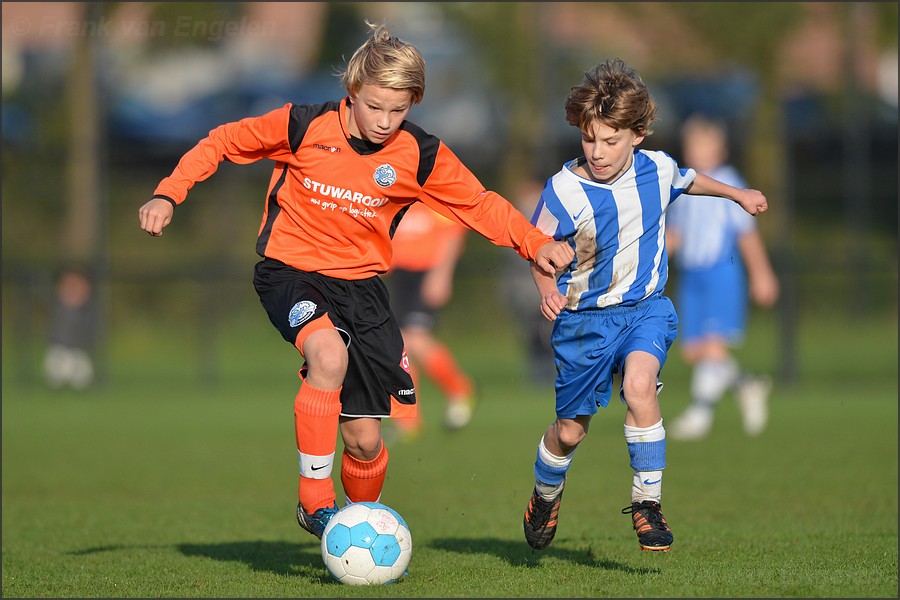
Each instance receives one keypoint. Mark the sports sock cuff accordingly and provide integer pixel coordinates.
(316, 417)
(647, 456)
(646, 447)
(550, 459)
(549, 468)
(365, 469)
(546, 474)
(363, 480)
(312, 402)
(653, 433)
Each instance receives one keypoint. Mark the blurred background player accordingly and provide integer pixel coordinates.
(68, 360)
(716, 249)
(427, 247)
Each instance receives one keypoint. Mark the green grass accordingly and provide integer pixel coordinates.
(157, 485)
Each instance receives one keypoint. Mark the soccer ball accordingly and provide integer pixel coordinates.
(366, 543)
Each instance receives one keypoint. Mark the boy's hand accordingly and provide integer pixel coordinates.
(764, 289)
(753, 201)
(155, 215)
(553, 257)
(552, 304)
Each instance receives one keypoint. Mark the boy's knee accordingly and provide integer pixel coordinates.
(640, 387)
(364, 448)
(569, 434)
(328, 359)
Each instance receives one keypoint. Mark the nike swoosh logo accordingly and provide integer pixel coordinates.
(575, 217)
(317, 468)
(646, 482)
(658, 347)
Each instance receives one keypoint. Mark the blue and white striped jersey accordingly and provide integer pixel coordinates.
(710, 226)
(617, 230)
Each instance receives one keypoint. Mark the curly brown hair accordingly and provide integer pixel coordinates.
(614, 94)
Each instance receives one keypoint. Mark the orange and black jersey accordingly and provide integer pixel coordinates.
(331, 209)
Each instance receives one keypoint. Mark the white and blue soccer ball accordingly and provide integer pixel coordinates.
(366, 543)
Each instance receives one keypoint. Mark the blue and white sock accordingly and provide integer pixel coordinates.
(550, 472)
(647, 450)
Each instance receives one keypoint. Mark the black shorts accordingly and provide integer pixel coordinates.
(378, 369)
(406, 299)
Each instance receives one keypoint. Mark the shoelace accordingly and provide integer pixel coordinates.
(541, 511)
(650, 511)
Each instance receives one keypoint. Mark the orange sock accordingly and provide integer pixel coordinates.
(443, 369)
(316, 414)
(363, 480)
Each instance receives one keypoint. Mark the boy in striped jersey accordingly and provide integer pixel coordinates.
(609, 309)
(722, 262)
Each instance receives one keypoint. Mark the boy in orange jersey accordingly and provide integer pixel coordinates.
(427, 247)
(345, 173)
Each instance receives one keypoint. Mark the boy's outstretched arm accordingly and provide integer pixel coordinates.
(750, 200)
(155, 215)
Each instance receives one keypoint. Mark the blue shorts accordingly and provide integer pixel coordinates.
(590, 347)
(712, 302)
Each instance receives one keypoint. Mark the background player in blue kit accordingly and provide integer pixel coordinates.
(608, 306)
(717, 250)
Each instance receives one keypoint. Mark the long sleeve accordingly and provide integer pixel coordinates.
(453, 191)
(240, 142)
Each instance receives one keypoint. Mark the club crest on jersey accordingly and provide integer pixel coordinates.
(385, 176)
(300, 312)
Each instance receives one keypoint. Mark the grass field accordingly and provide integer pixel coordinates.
(157, 485)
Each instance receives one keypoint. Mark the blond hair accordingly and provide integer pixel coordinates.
(613, 94)
(385, 61)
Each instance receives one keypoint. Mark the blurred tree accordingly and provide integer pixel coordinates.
(82, 251)
(343, 30)
(82, 234)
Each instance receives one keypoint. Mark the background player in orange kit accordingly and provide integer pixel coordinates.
(345, 173)
(427, 247)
